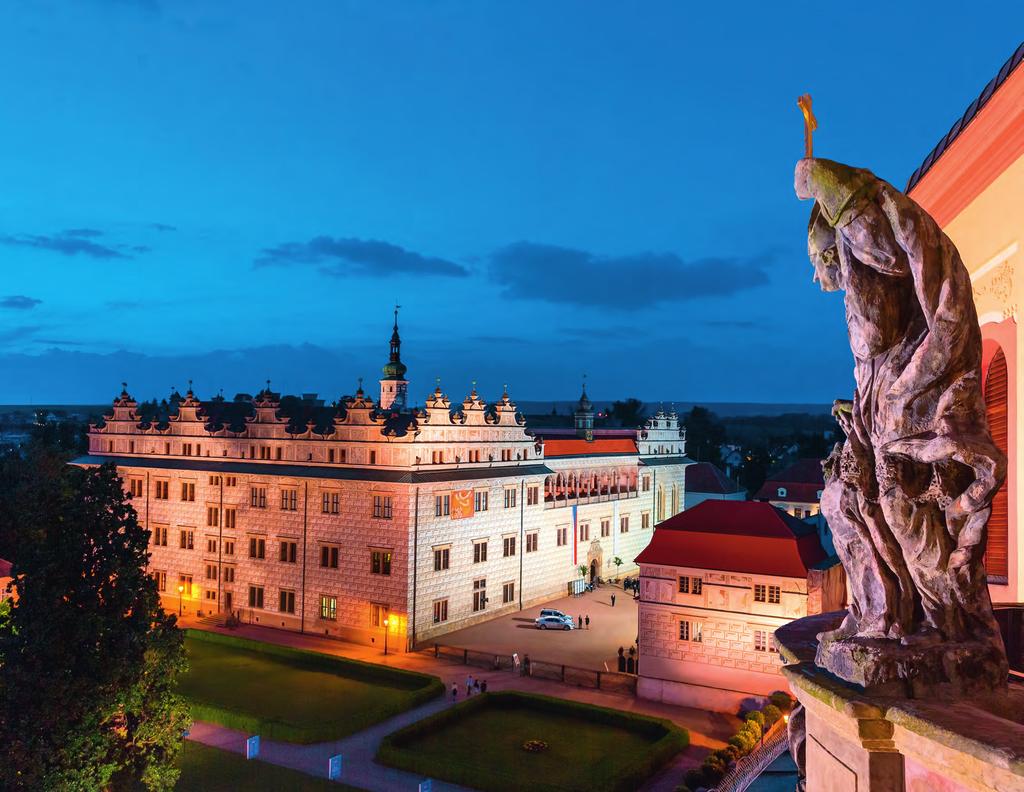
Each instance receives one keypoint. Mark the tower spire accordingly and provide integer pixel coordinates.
(394, 386)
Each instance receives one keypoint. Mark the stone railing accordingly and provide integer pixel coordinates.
(742, 774)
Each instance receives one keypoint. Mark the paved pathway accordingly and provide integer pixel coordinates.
(708, 730)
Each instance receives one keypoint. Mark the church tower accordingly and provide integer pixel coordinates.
(394, 386)
(584, 416)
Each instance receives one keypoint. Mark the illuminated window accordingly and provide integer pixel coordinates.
(378, 614)
(328, 608)
(380, 562)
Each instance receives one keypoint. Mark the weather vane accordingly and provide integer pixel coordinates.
(810, 123)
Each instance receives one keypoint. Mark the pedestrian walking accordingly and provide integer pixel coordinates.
(613, 600)
(526, 665)
(455, 691)
(588, 621)
(469, 685)
(476, 685)
(581, 621)
(483, 686)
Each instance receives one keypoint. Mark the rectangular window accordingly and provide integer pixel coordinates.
(531, 542)
(624, 524)
(508, 546)
(229, 574)
(162, 488)
(230, 518)
(479, 595)
(255, 596)
(287, 601)
(684, 585)
(380, 562)
(508, 593)
(229, 547)
(532, 495)
(230, 481)
(212, 516)
(135, 487)
(373, 457)
(211, 545)
(211, 571)
(584, 532)
(760, 593)
(697, 586)
(160, 535)
(698, 632)
(646, 486)
(645, 520)
(258, 497)
(382, 507)
(441, 558)
(289, 500)
(185, 581)
(378, 615)
(510, 497)
(328, 608)
(684, 631)
(561, 535)
(506, 455)
(329, 556)
(288, 552)
(214, 481)
(479, 552)
(480, 500)
(187, 539)
(436, 457)
(330, 502)
(442, 505)
(277, 453)
(188, 490)
(257, 547)
(330, 454)
(210, 594)
(186, 450)
(774, 595)
(606, 528)
(440, 611)
(763, 641)
(161, 580)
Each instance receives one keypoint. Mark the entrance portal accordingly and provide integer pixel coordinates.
(593, 570)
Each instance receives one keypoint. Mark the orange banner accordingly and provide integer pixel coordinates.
(462, 504)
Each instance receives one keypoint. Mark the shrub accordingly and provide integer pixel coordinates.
(753, 728)
(756, 717)
(726, 755)
(712, 773)
(732, 751)
(782, 700)
(694, 778)
(743, 741)
(771, 714)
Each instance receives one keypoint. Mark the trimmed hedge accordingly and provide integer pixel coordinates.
(396, 750)
(420, 688)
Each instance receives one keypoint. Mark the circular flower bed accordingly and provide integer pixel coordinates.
(535, 746)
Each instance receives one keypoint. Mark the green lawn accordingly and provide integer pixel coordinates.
(479, 744)
(291, 695)
(205, 769)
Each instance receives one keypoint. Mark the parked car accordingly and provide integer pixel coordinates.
(554, 623)
(552, 612)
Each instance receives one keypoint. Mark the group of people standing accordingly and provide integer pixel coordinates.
(472, 686)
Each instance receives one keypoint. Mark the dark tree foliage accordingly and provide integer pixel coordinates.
(88, 660)
(71, 437)
(754, 469)
(631, 412)
(705, 435)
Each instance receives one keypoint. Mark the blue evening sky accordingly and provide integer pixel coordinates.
(232, 191)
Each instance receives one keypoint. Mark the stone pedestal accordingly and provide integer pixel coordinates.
(858, 742)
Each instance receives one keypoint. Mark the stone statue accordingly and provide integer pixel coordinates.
(908, 494)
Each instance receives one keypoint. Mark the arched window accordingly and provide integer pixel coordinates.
(997, 546)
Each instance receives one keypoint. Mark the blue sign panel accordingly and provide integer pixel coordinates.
(334, 767)
(252, 747)
(426, 785)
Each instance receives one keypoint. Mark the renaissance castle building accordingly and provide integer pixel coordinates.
(360, 517)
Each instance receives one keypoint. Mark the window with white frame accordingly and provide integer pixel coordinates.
(440, 611)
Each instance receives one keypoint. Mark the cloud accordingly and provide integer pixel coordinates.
(348, 256)
(570, 276)
(19, 333)
(68, 243)
(162, 227)
(19, 302)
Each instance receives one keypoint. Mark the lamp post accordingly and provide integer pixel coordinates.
(386, 620)
(181, 591)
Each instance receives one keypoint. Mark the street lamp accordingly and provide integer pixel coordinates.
(386, 635)
(181, 591)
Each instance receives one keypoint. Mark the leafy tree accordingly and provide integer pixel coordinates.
(705, 435)
(88, 660)
(754, 469)
(631, 412)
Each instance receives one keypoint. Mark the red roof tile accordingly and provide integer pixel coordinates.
(736, 536)
(802, 481)
(5, 568)
(579, 447)
(705, 477)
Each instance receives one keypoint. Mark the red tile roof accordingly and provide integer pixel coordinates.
(5, 568)
(802, 481)
(705, 477)
(580, 447)
(736, 536)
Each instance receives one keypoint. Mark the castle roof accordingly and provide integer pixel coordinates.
(736, 536)
(705, 477)
(802, 480)
(599, 446)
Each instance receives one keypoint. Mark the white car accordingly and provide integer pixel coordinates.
(552, 612)
(554, 623)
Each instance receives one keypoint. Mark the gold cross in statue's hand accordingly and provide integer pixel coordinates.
(810, 122)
